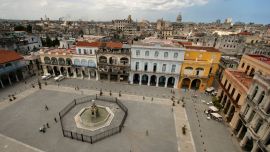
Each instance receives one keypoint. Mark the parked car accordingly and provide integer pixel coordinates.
(59, 78)
(46, 76)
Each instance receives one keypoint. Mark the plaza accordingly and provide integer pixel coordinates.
(150, 126)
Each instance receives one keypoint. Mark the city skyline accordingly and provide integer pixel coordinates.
(191, 10)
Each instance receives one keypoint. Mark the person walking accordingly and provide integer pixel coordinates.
(47, 125)
(55, 120)
(46, 108)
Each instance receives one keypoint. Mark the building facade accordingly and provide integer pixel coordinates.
(199, 68)
(113, 61)
(253, 129)
(156, 64)
(12, 68)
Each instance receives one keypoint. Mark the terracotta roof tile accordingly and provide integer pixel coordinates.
(114, 45)
(261, 58)
(9, 56)
(88, 44)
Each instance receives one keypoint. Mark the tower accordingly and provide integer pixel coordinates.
(179, 18)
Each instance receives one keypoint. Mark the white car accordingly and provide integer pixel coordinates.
(59, 78)
(46, 76)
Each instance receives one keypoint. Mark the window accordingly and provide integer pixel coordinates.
(258, 125)
(165, 54)
(251, 116)
(155, 67)
(137, 52)
(175, 55)
(79, 51)
(254, 93)
(137, 66)
(238, 97)
(210, 70)
(163, 67)
(156, 54)
(90, 51)
(261, 97)
(229, 87)
(247, 69)
(173, 68)
(146, 53)
(233, 90)
(246, 110)
(145, 66)
(84, 51)
(225, 83)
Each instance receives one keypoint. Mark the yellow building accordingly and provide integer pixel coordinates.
(199, 67)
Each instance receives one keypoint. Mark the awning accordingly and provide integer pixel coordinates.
(216, 115)
(213, 108)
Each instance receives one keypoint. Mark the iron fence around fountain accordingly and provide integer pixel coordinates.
(97, 137)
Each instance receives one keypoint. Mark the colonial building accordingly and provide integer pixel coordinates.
(235, 84)
(253, 129)
(156, 63)
(227, 62)
(12, 68)
(122, 24)
(113, 60)
(199, 67)
(78, 63)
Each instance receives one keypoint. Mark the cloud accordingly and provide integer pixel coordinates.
(91, 9)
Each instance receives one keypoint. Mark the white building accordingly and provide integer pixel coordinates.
(156, 63)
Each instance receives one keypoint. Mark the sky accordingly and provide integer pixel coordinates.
(257, 11)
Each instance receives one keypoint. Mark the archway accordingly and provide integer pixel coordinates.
(185, 83)
(78, 72)
(102, 59)
(54, 61)
(195, 84)
(12, 77)
(68, 61)
(161, 81)
(153, 80)
(136, 79)
(47, 60)
(249, 144)
(50, 70)
(56, 71)
(145, 79)
(63, 71)
(70, 73)
(61, 61)
(124, 60)
(171, 82)
(113, 60)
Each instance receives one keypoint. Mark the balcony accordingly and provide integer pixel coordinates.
(117, 65)
(229, 95)
(113, 52)
(194, 76)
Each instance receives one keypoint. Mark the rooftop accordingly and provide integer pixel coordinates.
(88, 44)
(241, 77)
(208, 49)
(261, 58)
(152, 41)
(9, 56)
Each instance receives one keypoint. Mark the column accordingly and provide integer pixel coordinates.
(16, 77)
(9, 80)
(97, 76)
(45, 69)
(131, 78)
(53, 71)
(244, 140)
(67, 73)
(60, 71)
(2, 85)
(118, 78)
(175, 83)
(81, 73)
(166, 81)
(255, 147)
(157, 81)
(109, 77)
(148, 83)
(75, 74)
(239, 132)
(140, 83)
(89, 74)
(229, 111)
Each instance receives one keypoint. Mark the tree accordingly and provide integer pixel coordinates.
(19, 28)
(55, 42)
(49, 42)
(29, 28)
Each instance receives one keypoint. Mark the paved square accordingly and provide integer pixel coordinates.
(22, 120)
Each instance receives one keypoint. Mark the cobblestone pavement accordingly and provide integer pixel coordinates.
(207, 134)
